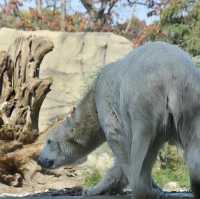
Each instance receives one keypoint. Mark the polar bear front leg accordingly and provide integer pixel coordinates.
(114, 181)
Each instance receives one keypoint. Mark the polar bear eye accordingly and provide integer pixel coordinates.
(48, 141)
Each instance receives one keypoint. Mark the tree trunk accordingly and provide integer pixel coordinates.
(21, 96)
(39, 6)
(97, 16)
(63, 14)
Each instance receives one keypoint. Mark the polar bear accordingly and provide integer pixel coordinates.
(138, 103)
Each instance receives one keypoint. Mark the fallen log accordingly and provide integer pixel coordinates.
(22, 93)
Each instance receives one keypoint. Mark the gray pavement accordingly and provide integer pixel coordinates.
(164, 196)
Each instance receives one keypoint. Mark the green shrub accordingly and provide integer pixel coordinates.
(180, 22)
(92, 178)
(171, 168)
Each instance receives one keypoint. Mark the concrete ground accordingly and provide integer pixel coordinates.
(165, 196)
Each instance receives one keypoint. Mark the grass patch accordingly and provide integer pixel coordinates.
(163, 176)
(174, 169)
(92, 178)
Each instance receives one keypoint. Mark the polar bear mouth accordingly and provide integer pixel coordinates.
(46, 163)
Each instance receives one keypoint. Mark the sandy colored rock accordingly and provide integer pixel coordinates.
(73, 64)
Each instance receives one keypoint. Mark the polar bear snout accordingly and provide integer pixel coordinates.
(46, 163)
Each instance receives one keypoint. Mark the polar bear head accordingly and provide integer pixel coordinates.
(71, 140)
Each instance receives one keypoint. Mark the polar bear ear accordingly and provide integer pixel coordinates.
(73, 110)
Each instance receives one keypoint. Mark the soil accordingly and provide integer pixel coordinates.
(62, 183)
(75, 191)
(64, 180)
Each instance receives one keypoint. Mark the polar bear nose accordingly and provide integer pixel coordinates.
(49, 163)
(45, 163)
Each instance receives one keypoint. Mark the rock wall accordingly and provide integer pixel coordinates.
(73, 64)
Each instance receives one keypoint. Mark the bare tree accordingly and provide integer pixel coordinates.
(39, 4)
(100, 15)
(63, 14)
(22, 93)
(100, 11)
